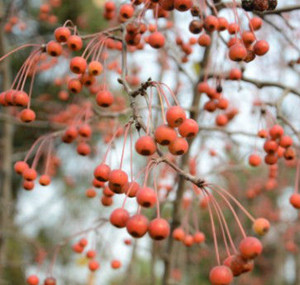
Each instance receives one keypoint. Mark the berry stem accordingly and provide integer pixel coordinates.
(297, 177)
(124, 143)
(213, 230)
(19, 48)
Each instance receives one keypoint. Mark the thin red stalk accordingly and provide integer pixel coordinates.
(196, 224)
(38, 154)
(148, 168)
(233, 212)
(213, 232)
(25, 67)
(129, 189)
(48, 156)
(31, 82)
(224, 226)
(32, 62)
(149, 120)
(297, 177)
(131, 154)
(157, 198)
(236, 202)
(109, 146)
(98, 56)
(17, 49)
(33, 146)
(124, 143)
(156, 16)
(89, 45)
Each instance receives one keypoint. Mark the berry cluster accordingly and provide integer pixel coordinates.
(259, 5)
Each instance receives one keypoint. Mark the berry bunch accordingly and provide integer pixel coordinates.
(259, 5)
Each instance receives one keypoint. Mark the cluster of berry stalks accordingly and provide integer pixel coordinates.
(259, 5)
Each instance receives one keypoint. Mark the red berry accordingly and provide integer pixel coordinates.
(74, 85)
(188, 240)
(95, 68)
(117, 180)
(295, 200)
(159, 229)
(94, 265)
(32, 280)
(255, 23)
(50, 281)
(261, 226)
(83, 242)
(146, 197)
(179, 146)
(29, 174)
(254, 160)
(77, 248)
(83, 149)
(28, 185)
(102, 172)
(78, 65)
(250, 247)
(276, 131)
(20, 167)
(286, 141)
(119, 218)
(233, 28)
(164, 135)
(104, 98)
(204, 40)
(220, 275)
(75, 43)
(145, 145)
(54, 48)
(261, 47)
(115, 264)
(91, 193)
(132, 189)
(221, 120)
(27, 115)
(90, 254)
(237, 52)
(199, 237)
(178, 234)
(45, 180)
(62, 34)
(21, 99)
(156, 40)
(270, 146)
(126, 11)
(137, 226)
(183, 5)
(175, 116)
(211, 23)
(189, 128)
